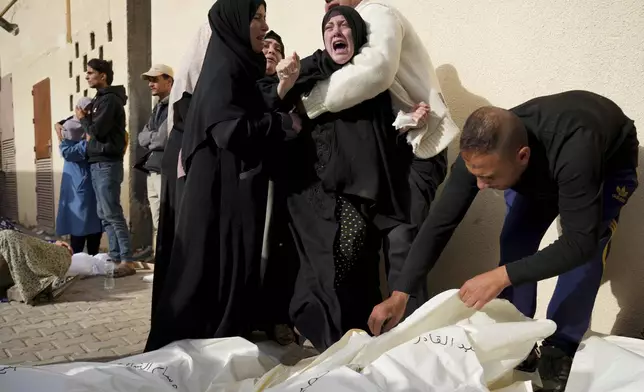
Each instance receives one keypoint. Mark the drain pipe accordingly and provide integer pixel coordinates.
(6, 9)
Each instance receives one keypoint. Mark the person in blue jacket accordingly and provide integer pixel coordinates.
(77, 215)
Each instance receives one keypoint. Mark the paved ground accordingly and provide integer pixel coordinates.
(86, 323)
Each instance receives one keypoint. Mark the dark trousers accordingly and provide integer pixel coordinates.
(571, 306)
(424, 178)
(93, 242)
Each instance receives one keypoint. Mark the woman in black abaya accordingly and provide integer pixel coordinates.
(347, 184)
(213, 275)
(171, 191)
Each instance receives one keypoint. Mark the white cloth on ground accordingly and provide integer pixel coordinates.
(442, 346)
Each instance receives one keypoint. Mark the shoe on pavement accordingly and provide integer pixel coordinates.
(530, 364)
(554, 368)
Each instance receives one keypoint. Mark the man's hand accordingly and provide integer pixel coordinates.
(288, 70)
(388, 313)
(66, 246)
(483, 288)
(59, 131)
(420, 113)
(80, 113)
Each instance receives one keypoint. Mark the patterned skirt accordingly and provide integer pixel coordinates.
(34, 265)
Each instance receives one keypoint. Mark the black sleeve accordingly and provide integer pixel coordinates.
(268, 87)
(578, 173)
(102, 119)
(445, 215)
(61, 122)
(244, 134)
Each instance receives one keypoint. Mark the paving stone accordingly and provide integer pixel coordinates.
(78, 331)
(85, 323)
(97, 345)
(16, 352)
(27, 359)
(54, 360)
(22, 335)
(69, 351)
(82, 339)
(100, 355)
(28, 327)
(121, 333)
(12, 344)
(116, 326)
(10, 314)
(130, 349)
(45, 338)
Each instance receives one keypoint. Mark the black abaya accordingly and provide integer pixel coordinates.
(171, 191)
(213, 275)
(347, 184)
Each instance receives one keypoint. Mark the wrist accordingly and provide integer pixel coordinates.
(400, 296)
(503, 276)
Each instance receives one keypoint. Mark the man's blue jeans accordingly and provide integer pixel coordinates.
(571, 305)
(106, 180)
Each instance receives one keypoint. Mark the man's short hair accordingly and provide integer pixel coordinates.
(104, 67)
(493, 130)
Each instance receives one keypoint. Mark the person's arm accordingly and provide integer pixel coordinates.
(73, 151)
(244, 135)
(445, 215)
(268, 87)
(580, 179)
(102, 121)
(158, 139)
(61, 122)
(370, 72)
(145, 136)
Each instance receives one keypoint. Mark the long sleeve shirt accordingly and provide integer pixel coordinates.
(575, 139)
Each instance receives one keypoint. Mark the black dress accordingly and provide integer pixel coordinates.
(351, 189)
(347, 185)
(171, 191)
(213, 276)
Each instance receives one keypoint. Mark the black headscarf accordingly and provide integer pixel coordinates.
(273, 35)
(226, 86)
(320, 65)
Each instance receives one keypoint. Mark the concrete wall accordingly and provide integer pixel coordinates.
(501, 52)
(41, 51)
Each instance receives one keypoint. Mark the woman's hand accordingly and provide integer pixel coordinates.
(59, 131)
(288, 70)
(297, 122)
(65, 245)
(80, 113)
(420, 113)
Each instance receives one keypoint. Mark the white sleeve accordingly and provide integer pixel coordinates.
(186, 79)
(370, 72)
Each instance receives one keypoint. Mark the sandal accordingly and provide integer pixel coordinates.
(123, 270)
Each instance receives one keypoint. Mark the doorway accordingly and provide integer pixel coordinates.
(46, 212)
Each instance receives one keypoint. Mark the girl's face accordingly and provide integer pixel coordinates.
(258, 29)
(338, 40)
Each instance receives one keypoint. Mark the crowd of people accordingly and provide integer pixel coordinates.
(277, 183)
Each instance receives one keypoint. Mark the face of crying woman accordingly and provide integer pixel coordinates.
(338, 40)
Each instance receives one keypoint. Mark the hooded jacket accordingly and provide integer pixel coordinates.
(105, 123)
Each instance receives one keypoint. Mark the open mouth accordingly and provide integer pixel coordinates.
(271, 59)
(340, 46)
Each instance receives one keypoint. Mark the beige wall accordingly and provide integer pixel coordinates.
(41, 51)
(501, 52)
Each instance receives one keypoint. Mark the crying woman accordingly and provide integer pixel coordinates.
(346, 180)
